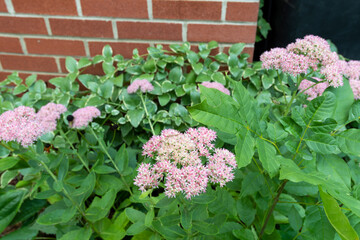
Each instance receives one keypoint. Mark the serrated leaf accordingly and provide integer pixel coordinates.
(10, 203)
(322, 143)
(100, 207)
(349, 141)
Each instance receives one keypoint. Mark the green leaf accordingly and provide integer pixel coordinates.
(344, 98)
(222, 57)
(321, 107)
(218, 77)
(79, 234)
(335, 168)
(197, 68)
(172, 232)
(56, 214)
(222, 115)
(8, 162)
(325, 126)
(10, 203)
(349, 141)
(103, 169)
(205, 228)
(316, 225)
(267, 156)
(354, 113)
(61, 82)
(135, 116)
(276, 132)
(150, 66)
(337, 218)
(134, 215)
(248, 72)
(244, 149)
(237, 48)
(186, 218)
(295, 219)
(176, 75)
(247, 104)
(30, 80)
(167, 86)
(106, 89)
(149, 217)
(19, 89)
(107, 51)
(267, 81)
(322, 143)
(122, 158)
(136, 228)
(100, 207)
(164, 99)
(71, 64)
(246, 210)
(192, 57)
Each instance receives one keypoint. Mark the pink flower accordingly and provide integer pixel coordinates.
(142, 84)
(83, 116)
(20, 125)
(179, 161)
(355, 86)
(333, 74)
(217, 86)
(312, 90)
(48, 115)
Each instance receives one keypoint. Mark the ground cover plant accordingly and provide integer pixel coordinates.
(183, 144)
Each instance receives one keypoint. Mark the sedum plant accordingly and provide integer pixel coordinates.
(178, 144)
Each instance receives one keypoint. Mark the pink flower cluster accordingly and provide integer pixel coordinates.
(142, 84)
(186, 162)
(24, 126)
(48, 115)
(217, 86)
(313, 52)
(83, 116)
(313, 90)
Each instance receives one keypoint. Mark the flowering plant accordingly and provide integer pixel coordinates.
(119, 156)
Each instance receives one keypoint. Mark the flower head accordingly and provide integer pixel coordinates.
(20, 125)
(313, 90)
(217, 86)
(185, 162)
(142, 84)
(83, 116)
(48, 114)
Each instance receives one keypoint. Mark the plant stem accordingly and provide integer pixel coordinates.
(288, 107)
(276, 199)
(112, 160)
(73, 148)
(147, 114)
(6, 146)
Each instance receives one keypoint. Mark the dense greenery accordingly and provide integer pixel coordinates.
(298, 166)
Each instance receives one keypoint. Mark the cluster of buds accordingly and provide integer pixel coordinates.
(185, 162)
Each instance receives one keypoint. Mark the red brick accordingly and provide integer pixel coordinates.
(123, 48)
(95, 70)
(81, 28)
(55, 47)
(22, 25)
(10, 45)
(115, 8)
(248, 50)
(3, 7)
(242, 11)
(53, 7)
(221, 33)
(3, 75)
(180, 9)
(28, 63)
(149, 30)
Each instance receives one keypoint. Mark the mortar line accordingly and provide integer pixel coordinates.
(150, 10)
(47, 24)
(23, 45)
(10, 7)
(57, 60)
(78, 8)
(223, 10)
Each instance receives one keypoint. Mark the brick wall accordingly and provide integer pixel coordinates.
(36, 35)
